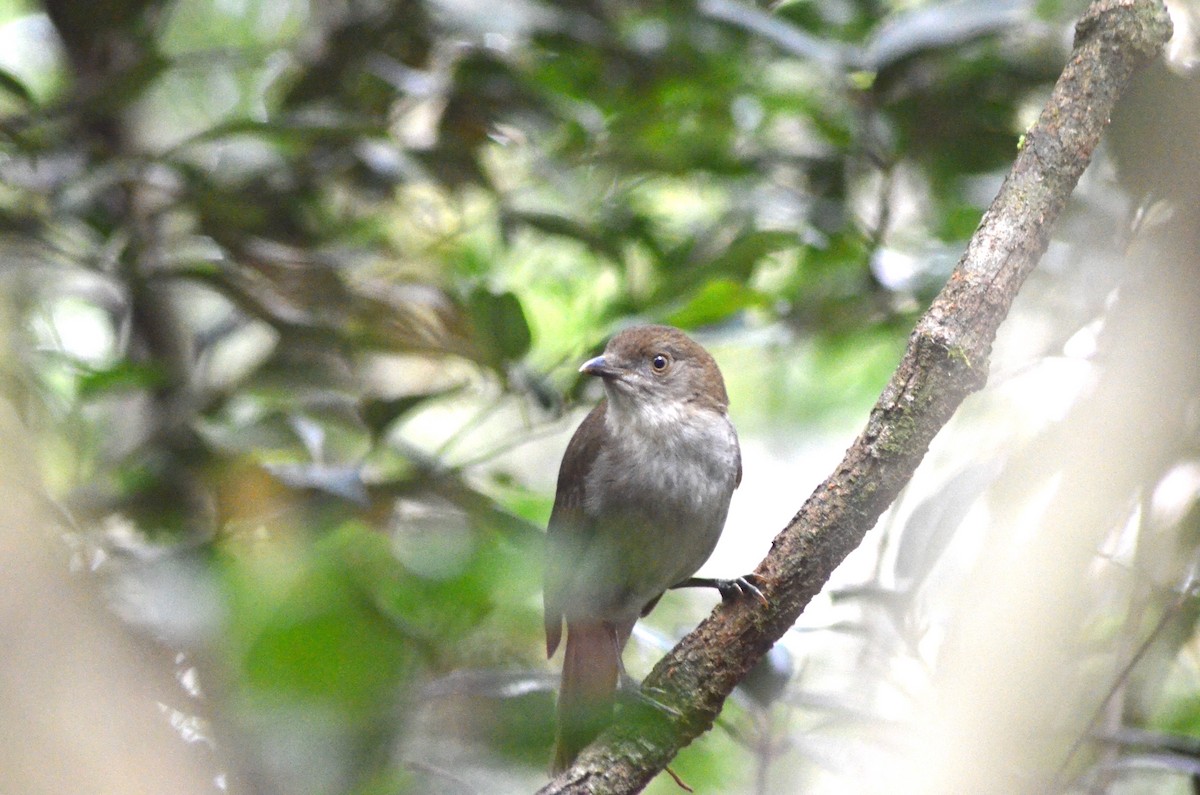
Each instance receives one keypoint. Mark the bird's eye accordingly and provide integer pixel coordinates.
(659, 363)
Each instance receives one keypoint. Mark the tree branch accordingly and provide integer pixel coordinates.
(946, 360)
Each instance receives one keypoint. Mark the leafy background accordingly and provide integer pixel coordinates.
(296, 291)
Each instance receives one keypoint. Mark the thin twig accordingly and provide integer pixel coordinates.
(1188, 592)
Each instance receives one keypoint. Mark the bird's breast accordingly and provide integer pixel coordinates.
(690, 469)
(667, 494)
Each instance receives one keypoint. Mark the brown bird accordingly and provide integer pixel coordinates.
(643, 491)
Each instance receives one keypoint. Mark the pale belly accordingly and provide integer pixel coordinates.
(661, 521)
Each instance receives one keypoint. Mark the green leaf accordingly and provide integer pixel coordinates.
(291, 132)
(309, 629)
(123, 375)
(957, 221)
(12, 84)
(379, 413)
(501, 332)
(746, 250)
(563, 226)
(715, 302)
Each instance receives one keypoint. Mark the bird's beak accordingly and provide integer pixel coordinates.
(599, 366)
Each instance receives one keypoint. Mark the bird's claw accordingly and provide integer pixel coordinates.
(736, 588)
(741, 588)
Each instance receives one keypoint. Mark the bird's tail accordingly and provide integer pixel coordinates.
(591, 664)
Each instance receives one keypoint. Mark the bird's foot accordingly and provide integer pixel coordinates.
(737, 588)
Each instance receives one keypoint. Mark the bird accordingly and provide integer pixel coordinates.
(642, 495)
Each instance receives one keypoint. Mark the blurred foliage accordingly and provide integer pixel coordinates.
(297, 277)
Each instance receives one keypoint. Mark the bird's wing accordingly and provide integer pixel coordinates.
(738, 480)
(569, 524)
